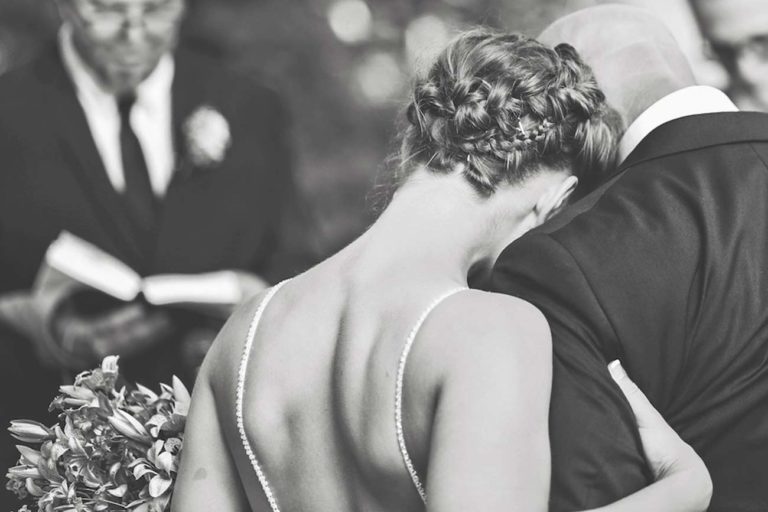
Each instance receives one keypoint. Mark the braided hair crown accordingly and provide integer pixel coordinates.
(503, 106)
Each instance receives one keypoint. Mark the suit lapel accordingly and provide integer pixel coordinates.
(79, 148)
(182, 198)
(187, 94)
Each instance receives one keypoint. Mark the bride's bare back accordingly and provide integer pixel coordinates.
(319, 402)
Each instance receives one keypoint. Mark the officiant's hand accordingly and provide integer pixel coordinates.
(125, 330)
(30, 312)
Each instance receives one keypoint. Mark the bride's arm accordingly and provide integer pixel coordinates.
(682, 480)
(207, 479)
(490, 443)
(489, 448)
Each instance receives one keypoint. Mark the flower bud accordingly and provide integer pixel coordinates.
(78, 392)
(29, 431)
(151, 395)
(24, 472)
(30, 456)
(181, 395)
(109, 364)
(129, 426)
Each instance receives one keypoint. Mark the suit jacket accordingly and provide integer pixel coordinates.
(666, 268)
(231, 215)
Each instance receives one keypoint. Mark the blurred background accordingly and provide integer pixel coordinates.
(343, 67)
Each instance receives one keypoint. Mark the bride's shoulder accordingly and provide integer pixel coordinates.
(223, 357)
(495, 315)
(480, 325)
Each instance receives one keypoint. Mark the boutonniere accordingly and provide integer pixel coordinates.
(207, 136)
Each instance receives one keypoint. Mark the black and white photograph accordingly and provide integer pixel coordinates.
(384, 255)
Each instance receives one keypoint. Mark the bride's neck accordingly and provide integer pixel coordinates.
(435, 228)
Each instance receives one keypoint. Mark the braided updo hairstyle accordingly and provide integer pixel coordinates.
(502, 106)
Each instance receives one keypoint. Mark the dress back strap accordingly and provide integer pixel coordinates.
(399, 392)
(241, 392)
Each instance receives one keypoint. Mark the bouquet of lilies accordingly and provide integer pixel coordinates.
(112, 450)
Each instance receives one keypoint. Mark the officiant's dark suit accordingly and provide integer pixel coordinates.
(665, 268)
(225, 215)
(240, 213)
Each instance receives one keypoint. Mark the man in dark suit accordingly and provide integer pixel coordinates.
(159, 157)
(665, 267)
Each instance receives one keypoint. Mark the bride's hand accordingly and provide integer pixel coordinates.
(667, 454)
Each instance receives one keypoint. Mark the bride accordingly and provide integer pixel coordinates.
(377, 380)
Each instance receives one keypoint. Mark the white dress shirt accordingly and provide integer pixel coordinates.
(151, 117)
(696, 99)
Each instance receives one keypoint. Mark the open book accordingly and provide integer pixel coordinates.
(86, 263)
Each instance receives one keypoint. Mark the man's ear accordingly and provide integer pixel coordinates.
(555, 198)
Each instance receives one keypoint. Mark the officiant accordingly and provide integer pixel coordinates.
(157, 156)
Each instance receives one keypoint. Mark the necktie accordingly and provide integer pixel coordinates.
(139, 197)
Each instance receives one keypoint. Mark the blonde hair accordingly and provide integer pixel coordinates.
(502, 106)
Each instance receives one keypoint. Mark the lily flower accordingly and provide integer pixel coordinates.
(110, 450)
(28, 431)
(158, 485)
(129, 426)
(28, 455)
(24, 472)
(181, 394)
(147, 392)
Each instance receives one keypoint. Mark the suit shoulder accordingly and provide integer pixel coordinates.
(22, 85)
(223, 80)
(18, 80)
(536, 248)
(31, 68)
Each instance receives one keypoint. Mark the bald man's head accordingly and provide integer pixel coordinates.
(636, 60)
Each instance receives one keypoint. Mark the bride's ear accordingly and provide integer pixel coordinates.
(555, 198)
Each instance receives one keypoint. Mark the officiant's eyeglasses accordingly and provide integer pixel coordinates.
(730, 53)
(157, 15)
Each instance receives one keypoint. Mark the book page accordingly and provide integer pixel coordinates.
(84, 262)
(209, 288)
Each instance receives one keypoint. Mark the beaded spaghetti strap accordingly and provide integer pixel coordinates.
(241, 392)
(399, 392)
